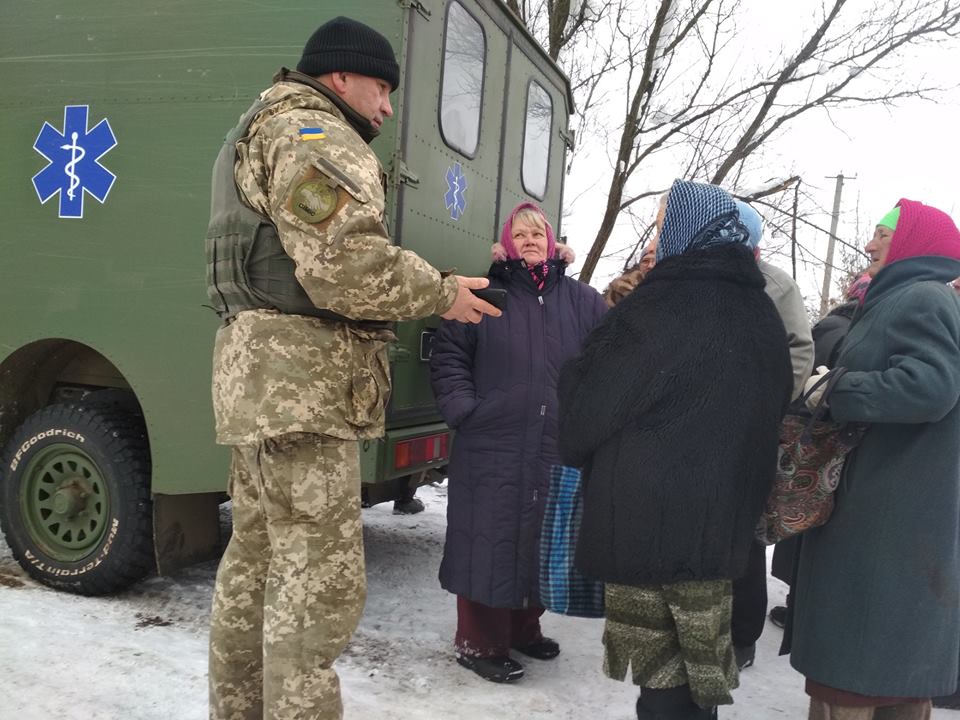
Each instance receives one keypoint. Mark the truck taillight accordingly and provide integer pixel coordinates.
(420, 450)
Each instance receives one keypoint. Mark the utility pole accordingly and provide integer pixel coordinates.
(828, 270)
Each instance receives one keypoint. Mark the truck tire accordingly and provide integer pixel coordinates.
(75, 503)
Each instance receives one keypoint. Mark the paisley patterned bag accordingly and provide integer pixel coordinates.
(809, 466)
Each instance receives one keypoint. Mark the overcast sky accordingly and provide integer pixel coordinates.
(910, 150)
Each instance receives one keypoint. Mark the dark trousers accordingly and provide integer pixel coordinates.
(784, 559)
(484, 631)
(750, 599)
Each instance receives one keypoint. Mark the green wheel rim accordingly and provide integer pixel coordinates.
(64, 502)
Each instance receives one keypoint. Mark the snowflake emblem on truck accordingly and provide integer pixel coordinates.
(456, 196)
(74, 161)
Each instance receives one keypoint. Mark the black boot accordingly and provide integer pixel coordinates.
(778, 615)
(692, 713)
(948, 701)
(744, 655)
(671, 704)
(542, 649)
(498, 669)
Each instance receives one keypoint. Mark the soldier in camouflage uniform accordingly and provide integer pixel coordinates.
(302, 271)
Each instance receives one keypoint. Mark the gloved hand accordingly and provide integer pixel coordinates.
(813, 399)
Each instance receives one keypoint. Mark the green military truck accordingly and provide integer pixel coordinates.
(111, 116)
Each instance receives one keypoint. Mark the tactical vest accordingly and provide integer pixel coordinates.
(247, 267)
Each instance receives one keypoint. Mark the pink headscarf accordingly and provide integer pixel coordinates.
(923, 230)
(506, 234)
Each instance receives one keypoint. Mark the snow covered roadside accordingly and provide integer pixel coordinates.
(142, 655)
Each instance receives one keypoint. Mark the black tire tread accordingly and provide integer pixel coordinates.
(122, 437)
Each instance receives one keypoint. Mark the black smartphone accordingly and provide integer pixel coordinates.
(495, 296)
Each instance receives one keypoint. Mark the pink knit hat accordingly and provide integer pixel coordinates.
(506, 234)
(923, 230)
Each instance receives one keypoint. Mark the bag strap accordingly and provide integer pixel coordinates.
(830, 379)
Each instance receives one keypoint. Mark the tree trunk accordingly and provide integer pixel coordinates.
(609, 221)
(628, 138)
(559, 12)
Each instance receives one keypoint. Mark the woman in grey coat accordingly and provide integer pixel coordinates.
(877, 616)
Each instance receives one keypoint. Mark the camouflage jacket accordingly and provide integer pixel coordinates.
(275, 373)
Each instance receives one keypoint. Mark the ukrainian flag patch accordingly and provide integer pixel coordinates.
(312, 133)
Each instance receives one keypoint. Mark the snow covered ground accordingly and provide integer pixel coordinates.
(142, 655)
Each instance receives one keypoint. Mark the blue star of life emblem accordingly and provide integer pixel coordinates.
(74, 161)
(456, 195)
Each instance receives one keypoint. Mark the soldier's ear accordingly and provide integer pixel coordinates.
(339, 82)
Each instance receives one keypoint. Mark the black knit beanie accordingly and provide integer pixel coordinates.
(345, 45)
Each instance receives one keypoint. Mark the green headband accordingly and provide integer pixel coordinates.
(890, 219)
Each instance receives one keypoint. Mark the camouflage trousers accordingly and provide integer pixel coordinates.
(672, 635)
(291, 585)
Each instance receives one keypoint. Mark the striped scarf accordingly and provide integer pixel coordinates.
(539, 273)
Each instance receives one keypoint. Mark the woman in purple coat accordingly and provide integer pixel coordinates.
(495, 384)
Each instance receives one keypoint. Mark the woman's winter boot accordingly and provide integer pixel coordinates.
(671, 704)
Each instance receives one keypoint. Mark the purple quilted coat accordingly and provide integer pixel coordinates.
(496, 386)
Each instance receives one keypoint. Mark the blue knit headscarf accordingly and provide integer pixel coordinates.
(699, 216)
(751, 221)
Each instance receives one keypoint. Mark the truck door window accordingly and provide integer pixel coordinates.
(461, 96)
(536, 140)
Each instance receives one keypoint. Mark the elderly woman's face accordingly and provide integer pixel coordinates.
(530, 241)
(649, 257)
(878, 248)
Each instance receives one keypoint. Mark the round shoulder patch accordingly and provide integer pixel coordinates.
(313, 201)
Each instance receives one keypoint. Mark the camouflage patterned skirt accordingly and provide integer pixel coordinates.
(676, 634)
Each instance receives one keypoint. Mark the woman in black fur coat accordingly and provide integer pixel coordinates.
(672, 409)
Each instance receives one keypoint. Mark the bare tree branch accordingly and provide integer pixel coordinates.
(684, 96)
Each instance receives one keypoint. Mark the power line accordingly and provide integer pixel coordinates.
(855, 248)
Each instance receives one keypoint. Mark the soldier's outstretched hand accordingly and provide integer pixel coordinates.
(468, 308)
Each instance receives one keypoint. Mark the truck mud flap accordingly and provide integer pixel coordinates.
(186, 529)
